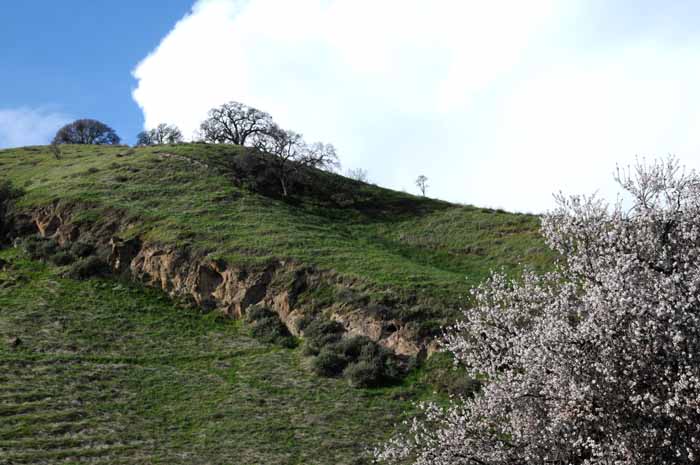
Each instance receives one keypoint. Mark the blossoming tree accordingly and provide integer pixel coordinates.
(596, 362)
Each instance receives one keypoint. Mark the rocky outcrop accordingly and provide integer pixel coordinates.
(390, 333)
(217, 285)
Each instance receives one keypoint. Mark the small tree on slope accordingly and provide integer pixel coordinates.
(288, 155)
(597, 362)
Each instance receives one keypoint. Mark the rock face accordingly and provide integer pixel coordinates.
(216, 285)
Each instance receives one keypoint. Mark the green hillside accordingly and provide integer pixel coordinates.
(106, 371)
(195, 195)
(110, 373)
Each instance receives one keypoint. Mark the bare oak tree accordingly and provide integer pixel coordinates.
(86, 131)
(161, 134)
(287, 154)
(234, 123)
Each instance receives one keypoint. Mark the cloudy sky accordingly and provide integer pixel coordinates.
(62, 60)
(499, 103)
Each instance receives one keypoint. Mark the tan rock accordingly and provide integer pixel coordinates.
(230, 289)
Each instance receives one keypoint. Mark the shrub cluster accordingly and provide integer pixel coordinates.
(82, 249)
(320, 332)
(62, 258)
(8, 194)
(39, 248)
(363, 362)
(8, 191)
(80, 255)
(267, 326)
(88, 267)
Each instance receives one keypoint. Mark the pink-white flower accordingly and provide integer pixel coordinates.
(596, 362)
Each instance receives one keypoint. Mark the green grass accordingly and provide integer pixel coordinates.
(419, 249)
(109, 372)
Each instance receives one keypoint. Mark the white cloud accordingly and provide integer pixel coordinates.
(28, 126)
(499, 103)
(567, 127)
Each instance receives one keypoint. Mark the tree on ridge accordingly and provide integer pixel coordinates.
(234, 123)
(287, 155)
(161, 134)
(86, 131)
(422, 184)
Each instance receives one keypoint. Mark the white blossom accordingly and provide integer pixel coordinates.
(595, 362)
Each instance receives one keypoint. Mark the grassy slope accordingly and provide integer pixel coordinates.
(112, 373)
(429, 249)
(108, 372)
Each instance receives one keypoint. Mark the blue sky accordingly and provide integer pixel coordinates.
(498, 103)
(74, 58)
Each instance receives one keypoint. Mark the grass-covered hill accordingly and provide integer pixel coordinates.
(104, 370)
(208, 197)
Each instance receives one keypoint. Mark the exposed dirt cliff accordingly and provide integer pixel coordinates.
(215, 285)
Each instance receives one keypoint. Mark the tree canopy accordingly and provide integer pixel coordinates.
(234, 123)
(86, 131)
(285, 152)
(161, 134)
(288, 154)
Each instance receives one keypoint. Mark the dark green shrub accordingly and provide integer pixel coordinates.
(62, 258)
(375, 365)
(258, 312)
(320, 333)
(303, 322)
(364, 373)
(385, 359)
(329, 363)
(82, 249)
(372, 351)
(8, 194)
(47, 247)
(273, 331)
(31, 245)
(39, 248)
(392, 371)
(267, 326)
(361, 360)
(352, 347)
(8, 191)
(321, 328)
(88, 267)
